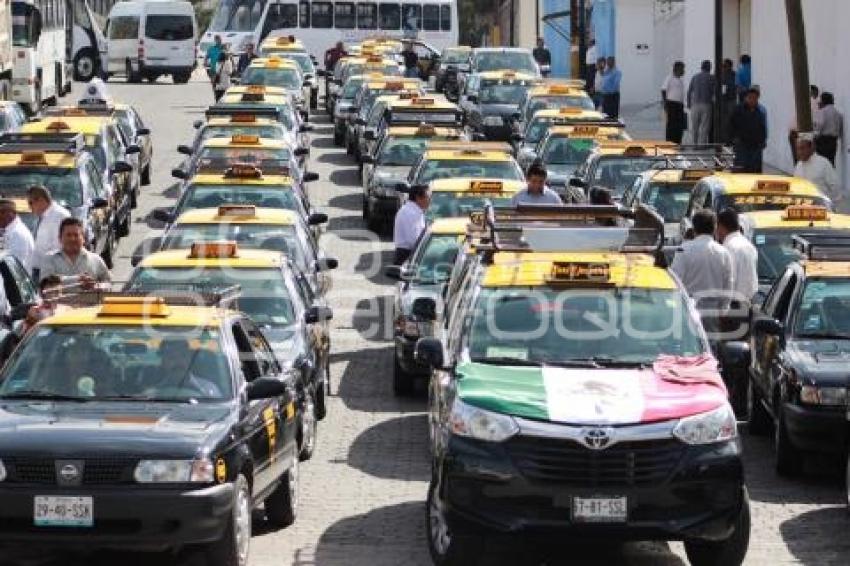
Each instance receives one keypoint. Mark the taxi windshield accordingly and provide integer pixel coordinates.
(267, 131)
(284, 112)
(213, 196)
(473, 169)
(402, 151)
(824, 309)
(263, 294)
(455, 56)
(670, 200)
(567, 151)
(558, 101)
(505, 60)
(502, 92)
(621, 325)
(269, 157)
(285, 77)
(619, 173)
(352, 87)
(775, 252)
(303, 60)
(273, 237)
(130, 363)
(63, 183)
(450, 205)
(753, 202)
(435, 260)
(536, 130)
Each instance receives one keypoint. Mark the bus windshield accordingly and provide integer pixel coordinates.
(26, 25)
(238, 15)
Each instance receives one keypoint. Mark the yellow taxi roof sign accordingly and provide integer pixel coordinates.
(286, 40)
(696, 174)
(634, 151)
(33, 158)
(222, 249)
(579, 273)
(142, 307)
(773, 185)
(243, 119)
(806, 212)
(426, 130)
(560, 89)
(486, 187)
(58, 125)
(571, 110)
(244, 139)
(237, 210)
(243, 171)
(584, 130)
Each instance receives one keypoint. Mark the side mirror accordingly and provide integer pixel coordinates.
(360, 121)
(147, 131)
(429, 351)
(734, 355)
(121, 167)
(367, 159)
(315, 315)
(178, 173)
(369, 135)
(327, 264)
(425, 309)
(133, 149)
(577, 183)
(301, 151)
(184, 149)
(162, 215)
(265, 388)
(197, 124)
(768, 326)
(519, 138)
(99, 202)
(304, 128)
(473, 98)
(144, 249)
(310, 177)
(397, 273)
(317, 218)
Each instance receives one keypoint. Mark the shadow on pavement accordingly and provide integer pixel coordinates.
(365, 383)
(63, 557)
(403, 438)
(372, 318)
(345, 178)
(323, 142)
(339, 159)
(347, 201)
(371, 265)
(818, 537)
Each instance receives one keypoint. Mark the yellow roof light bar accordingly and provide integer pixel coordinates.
(244, 139)
(142, 307)
(237, 211)
(773, 186)
(222, 249)
(806, 213)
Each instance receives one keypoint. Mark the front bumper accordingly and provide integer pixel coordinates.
(817, 429)
(127, 517)
(504, 487)
(405, 347)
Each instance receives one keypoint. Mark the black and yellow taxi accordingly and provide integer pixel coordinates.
(353, 65)
(277, 72)
(291, 48)
(611, 423)
(252, 98)
(616, 164)
(344, 107)
(550, 96)
(237, 124)
(422, 276)
(166, 427)
(370, 91)
(103, 140)
(491, 101)
(70, 172)
(461, 196)
(277, 298)
(467, 160)
(747, 192)
(799, 340)
(389, 165)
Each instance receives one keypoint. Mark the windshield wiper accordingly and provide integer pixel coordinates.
(825, 335)
(506, 361)
(603, 361)
(31, 394)
(148, 399)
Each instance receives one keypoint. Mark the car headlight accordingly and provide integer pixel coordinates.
(2, 471)
(718, 425)
(466, 420)
(492, 121)
(814, 395)
(175, 471)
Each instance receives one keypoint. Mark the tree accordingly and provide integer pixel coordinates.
(799, 64)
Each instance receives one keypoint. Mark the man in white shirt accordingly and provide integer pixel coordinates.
(410, 223)
(673, 96)
(705, 269)
(46, 235)
(17, 239)
(744, 257)
(536, 191)
(817, 169)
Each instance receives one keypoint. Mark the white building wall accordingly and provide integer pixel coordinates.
(669, 44)
(635, 41)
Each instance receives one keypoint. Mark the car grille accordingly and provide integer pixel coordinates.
(97, 471)
(569, 463)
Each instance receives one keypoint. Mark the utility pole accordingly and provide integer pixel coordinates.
(718, 72)
(582, 38)
(799, 64)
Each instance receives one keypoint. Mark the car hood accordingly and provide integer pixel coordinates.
(821, 361)
(103, 428)
(499, 109)
(585, 396)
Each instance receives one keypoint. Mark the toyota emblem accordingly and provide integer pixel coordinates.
(69, 473)
(597, 438)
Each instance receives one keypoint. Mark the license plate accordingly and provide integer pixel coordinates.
(600, 509)
(49, 511)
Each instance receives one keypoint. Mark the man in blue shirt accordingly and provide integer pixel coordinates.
(744, 78)
(611, 89)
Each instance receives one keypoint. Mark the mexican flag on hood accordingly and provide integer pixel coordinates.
(589, 396)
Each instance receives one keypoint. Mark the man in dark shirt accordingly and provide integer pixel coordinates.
(748, 127)
(411, 62)
(542, 55)
(729, 98)
(333, 55)
(245, 59)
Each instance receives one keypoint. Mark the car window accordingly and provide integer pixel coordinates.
(95, 179)
(123, 27)
(171, 27)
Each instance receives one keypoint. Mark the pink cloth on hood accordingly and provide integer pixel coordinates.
(688, 369)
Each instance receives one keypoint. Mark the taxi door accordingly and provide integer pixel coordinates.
(99, 219)
(767, 348)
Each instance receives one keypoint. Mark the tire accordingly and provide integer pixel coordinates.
(146, 174)
(402, 381)
(282, 504)
(151, 77)
(132, 76)
(729, 552)
(182, 77)
(322, 395)
(758, 420)
(448, 548)
(85, 65)
(339, 138)
(233, 546)
(308, 426)
(789, 460)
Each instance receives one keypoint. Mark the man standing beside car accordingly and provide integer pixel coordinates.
(410, 223)
(17, 239)
(46, 234)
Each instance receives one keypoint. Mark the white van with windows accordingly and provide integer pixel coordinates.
(145, 40)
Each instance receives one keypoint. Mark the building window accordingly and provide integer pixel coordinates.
(367, 16)
(304, 13)
(446, 18)
(390, 16)
(412, 17)
(344, 15)
(323, 16)
(431, 17)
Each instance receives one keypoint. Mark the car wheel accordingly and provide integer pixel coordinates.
(108, 251)
(339, 138)
(85, 65)
(446, 547)
(758, 421)
(282, 504)
(729, 552)
(232, 548)
(308, 426)
(182, 77)
(402, 381)
(322, 395)
(146, 174)
(124, 227)
(132, 76)
(789, 460)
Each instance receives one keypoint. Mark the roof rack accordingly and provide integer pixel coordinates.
(68, 142)
(823, 247)
(242, 109)
(714, 157)
(174, 294)
(225, 165)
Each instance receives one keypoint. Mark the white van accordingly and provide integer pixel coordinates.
(147, 39)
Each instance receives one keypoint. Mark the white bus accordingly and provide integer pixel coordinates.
(89, 17)
(40, 41)
(320, 24)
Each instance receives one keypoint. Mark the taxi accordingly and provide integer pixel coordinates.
(237, 124)
(277, 298)
(616, 164)
(253, 98)
(422, 276)
(552, 96)
(459, 196)
(343, 109)
(749, 193)
(70, 172)
(389, 165)
(350, 66)
(255, 228)
(589, 429)
(799, 338)
(453, 61)
(289, 47)
(491, 100)
(163, 414)
(103, 139)
(370, 91)
(525, 140)
(277, 72)
(470, 160)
